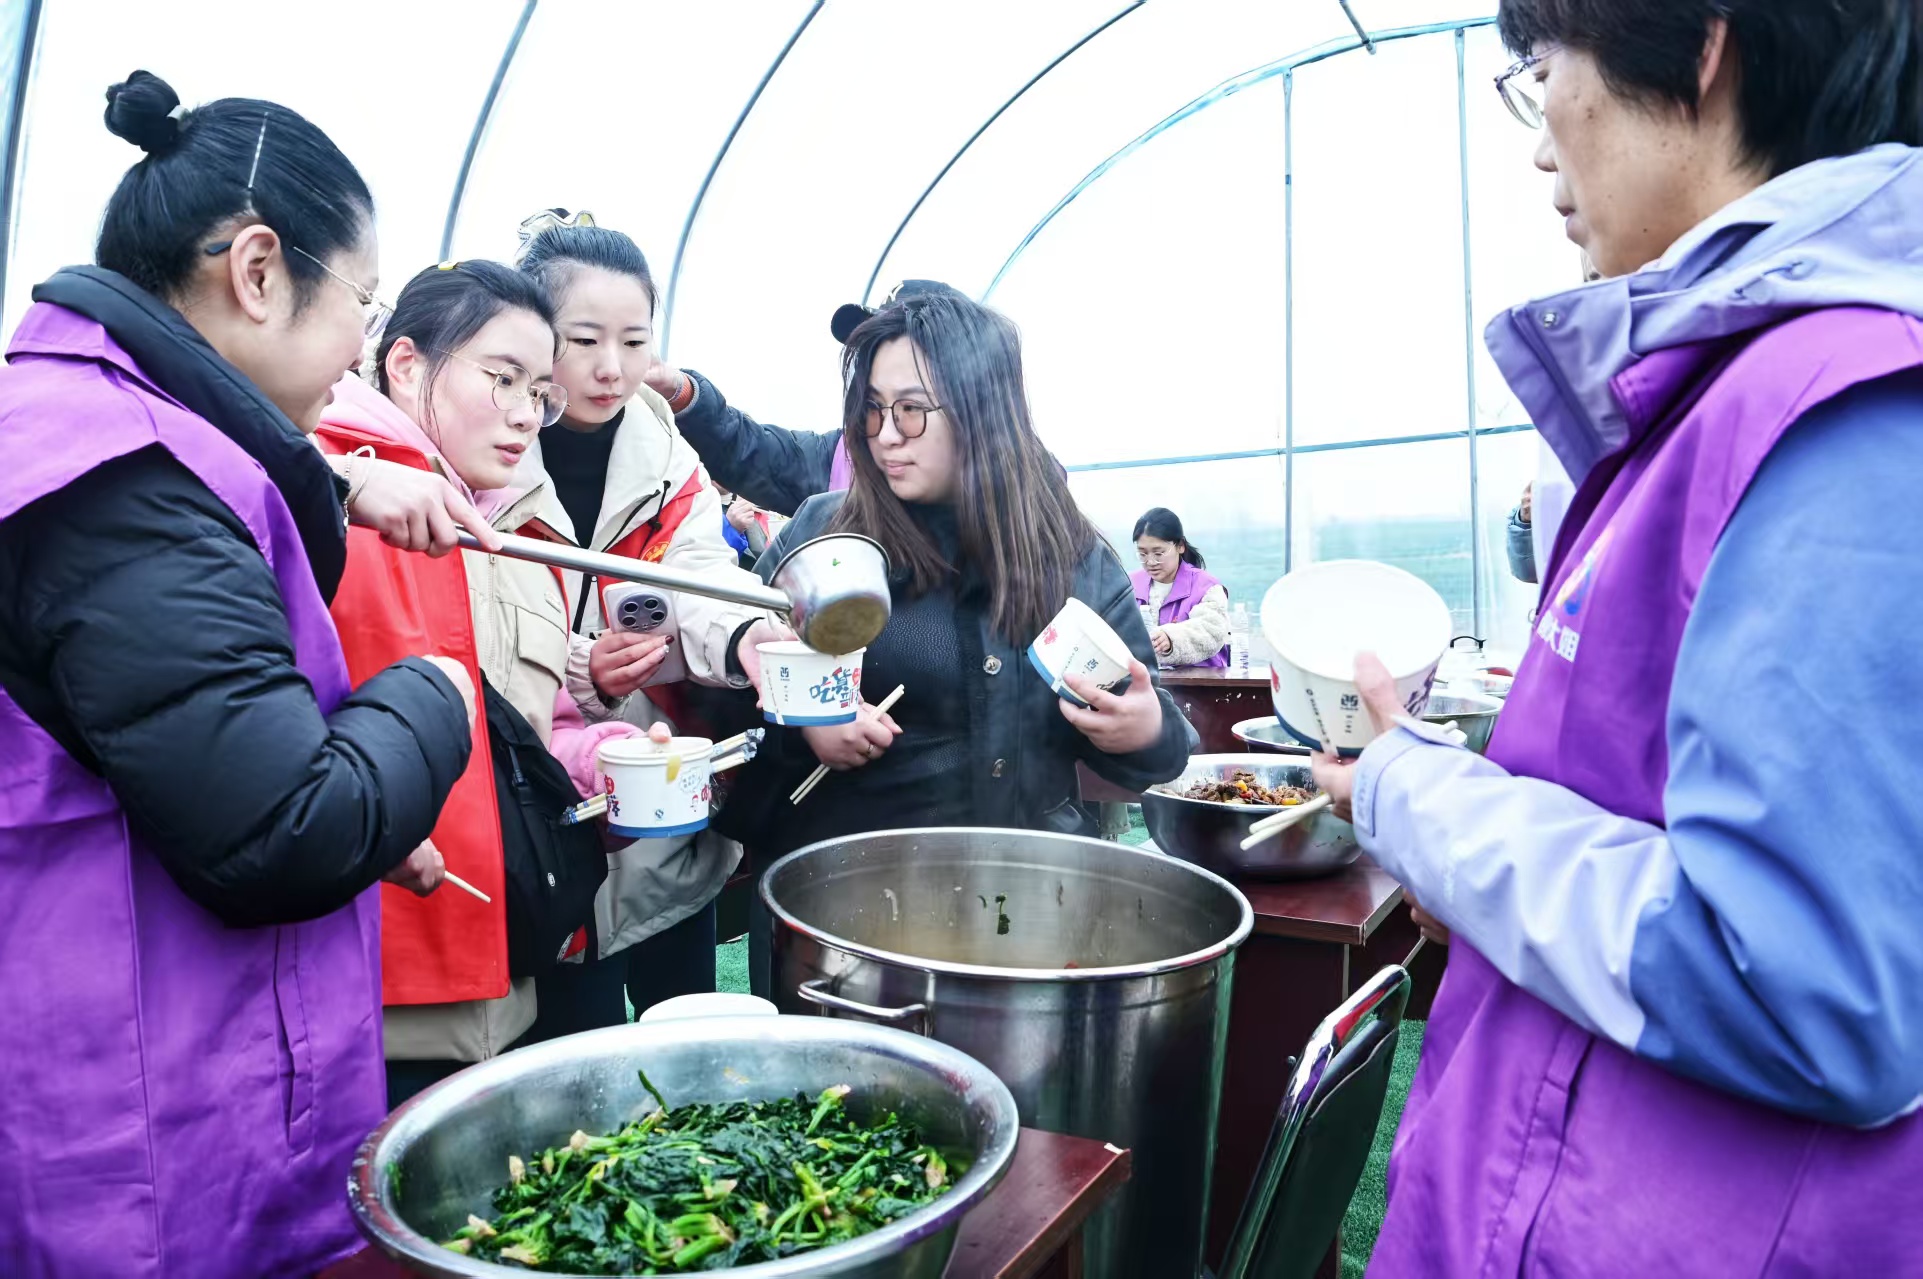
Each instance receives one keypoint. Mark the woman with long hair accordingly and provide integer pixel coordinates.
(986, 545)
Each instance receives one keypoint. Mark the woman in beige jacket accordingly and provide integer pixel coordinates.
(630, 485)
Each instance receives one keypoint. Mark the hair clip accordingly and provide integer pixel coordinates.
(448, 265)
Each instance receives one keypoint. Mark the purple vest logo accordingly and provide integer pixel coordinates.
(1562, 638)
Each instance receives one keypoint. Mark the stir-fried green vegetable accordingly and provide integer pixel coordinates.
(705, 1187)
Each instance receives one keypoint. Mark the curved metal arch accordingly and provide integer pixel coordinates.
(694, 209)
(480, 128)
(16, 130)
(868, 289)
(1227, 89)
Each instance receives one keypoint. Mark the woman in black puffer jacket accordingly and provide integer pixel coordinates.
(986, 545)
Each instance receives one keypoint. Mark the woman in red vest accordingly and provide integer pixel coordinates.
(464, 370)
(629, 484)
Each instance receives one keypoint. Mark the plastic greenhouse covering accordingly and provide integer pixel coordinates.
(1251, 244)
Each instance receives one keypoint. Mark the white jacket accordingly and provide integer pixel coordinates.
(659, 505)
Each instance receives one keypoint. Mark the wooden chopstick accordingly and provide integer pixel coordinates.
(821, 770)
(465, 887)
(1276, 822)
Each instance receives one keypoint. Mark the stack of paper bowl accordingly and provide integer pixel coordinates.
(1317, 619)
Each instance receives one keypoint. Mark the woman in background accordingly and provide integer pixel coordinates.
(1186, 610)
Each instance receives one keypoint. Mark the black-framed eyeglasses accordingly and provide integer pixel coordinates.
(512, 384)
(910, 419)
(378, 312)
(1522, 106)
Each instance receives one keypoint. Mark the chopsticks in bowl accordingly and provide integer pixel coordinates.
(1275, 823)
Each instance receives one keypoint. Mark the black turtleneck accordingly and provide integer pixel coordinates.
(577, 462)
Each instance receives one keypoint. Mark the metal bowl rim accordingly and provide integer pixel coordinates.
(1492, 709)
(1267, 760)
(789, 558)
(985, 972)
(382, 1225)
(1241, 729)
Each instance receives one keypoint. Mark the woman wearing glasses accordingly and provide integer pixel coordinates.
(195, 804)
(1186, 610)
(630, 485)
(464, 372)
(1682, 1027)
(987, 544)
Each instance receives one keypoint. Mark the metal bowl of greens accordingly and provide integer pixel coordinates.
(562, 1153)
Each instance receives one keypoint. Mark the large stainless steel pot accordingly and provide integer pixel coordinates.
(1092, 977)
(1211, 834)
(440, 1156)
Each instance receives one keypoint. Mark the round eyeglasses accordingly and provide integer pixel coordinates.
(513, 384)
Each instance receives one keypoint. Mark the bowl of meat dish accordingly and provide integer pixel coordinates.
(1204, 815)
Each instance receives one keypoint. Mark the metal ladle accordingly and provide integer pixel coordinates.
(833, 589)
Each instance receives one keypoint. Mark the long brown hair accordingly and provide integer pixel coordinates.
(1020, 528)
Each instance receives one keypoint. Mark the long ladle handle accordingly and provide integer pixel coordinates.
(621, 568)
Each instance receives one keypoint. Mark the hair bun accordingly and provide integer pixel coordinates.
(140, 110)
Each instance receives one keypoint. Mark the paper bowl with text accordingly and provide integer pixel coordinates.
(1317, 619)
(806, 689)
(1079, 643)
(657, 790)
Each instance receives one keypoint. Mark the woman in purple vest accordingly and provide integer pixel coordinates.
(193, 805)
(1682, 1027)
(1186, 610)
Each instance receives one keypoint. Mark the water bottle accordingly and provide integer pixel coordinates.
(1239, 639)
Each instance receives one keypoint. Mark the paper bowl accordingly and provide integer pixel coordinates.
(1317, 619)
(806, 689)
(657, 791)
(1078, 642)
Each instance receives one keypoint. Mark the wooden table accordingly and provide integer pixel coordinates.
(1029, 1227)
(1216, 699)
(1315, 941)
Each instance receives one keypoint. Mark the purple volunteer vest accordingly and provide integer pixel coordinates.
(177, 1098)
(1529, 1146)
(1184, 593)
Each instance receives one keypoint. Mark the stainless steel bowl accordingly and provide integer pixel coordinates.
(1473, 713)
(1267, 735)
(1211, 835)
(837, 589)
(442, 1155)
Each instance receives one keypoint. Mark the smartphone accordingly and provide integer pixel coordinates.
(647, 610)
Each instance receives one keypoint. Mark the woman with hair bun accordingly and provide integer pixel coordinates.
(194, 806)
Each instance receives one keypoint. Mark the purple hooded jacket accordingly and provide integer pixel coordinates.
(1673, 1035)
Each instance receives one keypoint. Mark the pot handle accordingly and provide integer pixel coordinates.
(815, 992)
